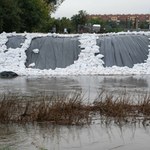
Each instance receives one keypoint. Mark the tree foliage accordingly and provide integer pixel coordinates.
(34, 14)
(63, 23)
(23, 15)
(9, 16)
(54, 1)
(54, 4)
(79, 19)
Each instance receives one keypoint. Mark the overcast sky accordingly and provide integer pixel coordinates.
(70, 7)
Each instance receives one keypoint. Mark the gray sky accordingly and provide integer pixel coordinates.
(70, 7)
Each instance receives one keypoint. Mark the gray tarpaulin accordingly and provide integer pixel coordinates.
(54, 52)
(123, 50)
(118, 50)
(15, 41)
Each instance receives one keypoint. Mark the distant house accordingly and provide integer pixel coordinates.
(122, 17)
(134, 18)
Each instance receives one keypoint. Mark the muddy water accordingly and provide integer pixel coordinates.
(93, 137)
(88, 86)
(98, 136)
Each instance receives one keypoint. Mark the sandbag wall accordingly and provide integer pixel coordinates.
(50, 52)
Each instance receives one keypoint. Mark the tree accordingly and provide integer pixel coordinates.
(54, 1)
(65, 23)
(99, 21)
(34, 14)
(79, 19)
(24, 15)
(54, 4)
(144, 25)
(9, 16)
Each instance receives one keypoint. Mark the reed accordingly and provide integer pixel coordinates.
(71, 110)
(55, 109)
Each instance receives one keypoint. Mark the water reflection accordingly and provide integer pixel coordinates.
(98, 136)
(54, 137)
(89, 86)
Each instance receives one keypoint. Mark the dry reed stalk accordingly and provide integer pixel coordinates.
(70, 110)
(55, 109)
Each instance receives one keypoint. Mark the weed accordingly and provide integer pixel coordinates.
(70, 110)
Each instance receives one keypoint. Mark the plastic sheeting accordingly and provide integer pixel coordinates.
(50, 52)
(15, 41)
(123, 50)
(53, 52)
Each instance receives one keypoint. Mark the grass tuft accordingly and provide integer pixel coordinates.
(71, 110)
(55, 109)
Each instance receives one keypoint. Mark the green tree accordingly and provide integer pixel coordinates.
(99, 21)
(24, 15)
(113, 26)
(9, 16)
(34, 15)
(79, 19)
(143, 25)
(65, 23)
(54, 4)
(94, 21)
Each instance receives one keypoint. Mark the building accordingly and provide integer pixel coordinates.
(122, 17)
(134, 18)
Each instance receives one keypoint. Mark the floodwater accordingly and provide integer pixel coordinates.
(97, 136)
(93, 137)
(88, 86)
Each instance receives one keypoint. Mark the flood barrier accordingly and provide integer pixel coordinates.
(50, 52)
(123, 50)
